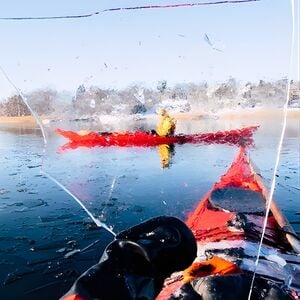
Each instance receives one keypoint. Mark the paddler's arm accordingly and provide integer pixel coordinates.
(135, 265)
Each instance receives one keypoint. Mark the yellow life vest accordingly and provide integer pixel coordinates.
(166, 126)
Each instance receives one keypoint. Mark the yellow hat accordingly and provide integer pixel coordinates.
(161, 111)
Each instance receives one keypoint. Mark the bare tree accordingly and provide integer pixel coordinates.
(15, 107)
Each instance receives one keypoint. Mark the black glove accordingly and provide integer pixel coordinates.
(135, 265)
(169, 243)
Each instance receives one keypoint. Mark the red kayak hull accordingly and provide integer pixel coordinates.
(210, 224)
(241, 136)
(213, 227)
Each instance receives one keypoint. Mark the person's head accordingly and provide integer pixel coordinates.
(161, 112)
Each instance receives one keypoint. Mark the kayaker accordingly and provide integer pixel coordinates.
(166, 124)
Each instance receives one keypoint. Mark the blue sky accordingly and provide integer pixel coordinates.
(114, 49)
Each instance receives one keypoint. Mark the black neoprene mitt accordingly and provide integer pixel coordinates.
(135, 265)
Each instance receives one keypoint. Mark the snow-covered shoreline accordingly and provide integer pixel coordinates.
(224, 114)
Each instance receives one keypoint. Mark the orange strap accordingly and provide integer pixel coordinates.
(213, 266)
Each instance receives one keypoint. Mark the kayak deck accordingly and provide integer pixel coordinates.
(227, 224)
(237, 195)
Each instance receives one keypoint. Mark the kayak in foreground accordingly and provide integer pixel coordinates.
(213, 253)
(227, 224)
(241, 136)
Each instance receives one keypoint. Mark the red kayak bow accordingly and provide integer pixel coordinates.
(227, 224)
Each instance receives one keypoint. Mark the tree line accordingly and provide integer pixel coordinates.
(140, 99)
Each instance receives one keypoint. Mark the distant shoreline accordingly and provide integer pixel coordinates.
(196, 115)
(260, 112)
(18, 120)
(239, 114)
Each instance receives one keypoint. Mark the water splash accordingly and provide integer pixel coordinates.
(208, 41)
(279, 148)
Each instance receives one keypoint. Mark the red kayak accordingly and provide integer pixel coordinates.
(227, 224)
(241, 136)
